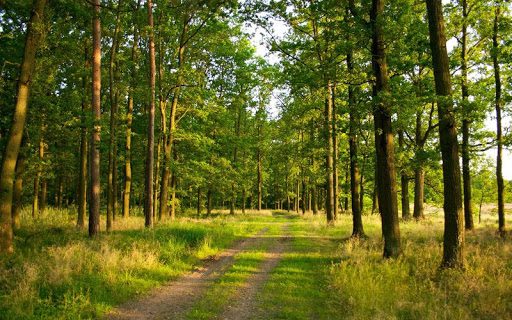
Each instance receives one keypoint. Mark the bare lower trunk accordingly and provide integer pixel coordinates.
(357, 222)
(95, 186)
(18, 192)
(150, 154)
(419, 193)
(329, 202)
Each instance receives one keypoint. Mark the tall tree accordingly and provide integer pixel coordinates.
(95, 186)
(466, 174)
(12, 148)
(498, 101)
(386, 177)
(453, 219)
(150, 155)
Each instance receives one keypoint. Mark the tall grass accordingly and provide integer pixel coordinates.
(413, 286)
(57, 272)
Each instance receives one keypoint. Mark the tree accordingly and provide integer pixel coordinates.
(95, 187)
(18, 123)
(384, 144)
(150, 156)
(453, 228)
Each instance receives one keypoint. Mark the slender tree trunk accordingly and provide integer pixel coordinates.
(60, 191)
(95, 186)
(419, 192)
(384, 144)
(404, 181)
(172, 211)
(150, 155)
(419, 174)
(44, 196)
(36, 205)
(127, 188)
(13, 142)
(466, 174)
(499, 135)
(260, 180)
(314, 199)
(335, 172)
(454, 220)
(18, 192)
(329, 202)
(82, 177)
(113, 114)
(357, 221)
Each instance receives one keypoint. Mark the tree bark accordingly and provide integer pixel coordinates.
(12, 147)
(357, 221)
(127, 188)
(466, 174)
(95, 186)
(18, 192)
(499, 135)
(113, 96)
(454, 220)
(404, 181)
(419, 192)
(384, 144)
(329, 202)
(150, 154)
(82, 176)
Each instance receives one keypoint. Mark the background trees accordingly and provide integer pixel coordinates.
(222, 128)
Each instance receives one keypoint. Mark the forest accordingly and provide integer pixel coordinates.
(255, 159)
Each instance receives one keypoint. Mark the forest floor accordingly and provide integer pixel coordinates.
(269, 265)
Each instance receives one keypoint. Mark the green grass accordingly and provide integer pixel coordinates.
(57, 272)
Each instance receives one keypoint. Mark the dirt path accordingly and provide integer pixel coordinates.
(244, 305)
(172, 301)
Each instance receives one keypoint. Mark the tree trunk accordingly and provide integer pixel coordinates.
(466, 174)
(150, 155)
(384, 144)
(499, 135)
(172, 211)
(13, 143)
(37, 182)
(18, 192)
(95, 186)
(404, 181)
(419, 192)
(127, 188)
(43, 196)
(336, 185)
(260, 180)
(419, 174)
(113, 96)
(454, 220)
(357, 221)
(329, 202)
(82, 177)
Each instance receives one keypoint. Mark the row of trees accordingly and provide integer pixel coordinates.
(164, 105)
(383, 69)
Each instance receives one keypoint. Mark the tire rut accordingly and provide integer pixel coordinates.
(173, 300)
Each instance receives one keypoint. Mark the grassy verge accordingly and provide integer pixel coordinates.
(413, 286)
(57, 272)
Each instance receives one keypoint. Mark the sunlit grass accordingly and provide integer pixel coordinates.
(57, 272)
